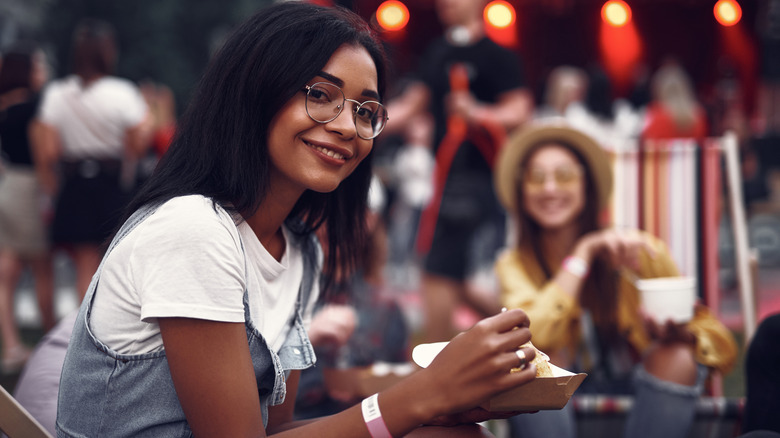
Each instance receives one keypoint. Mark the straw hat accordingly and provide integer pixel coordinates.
(525, 138)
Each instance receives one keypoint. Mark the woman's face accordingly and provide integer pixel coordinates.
(459, 12)
(553, 187)
(309, 155)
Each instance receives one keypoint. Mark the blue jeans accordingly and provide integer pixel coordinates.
(661, 410)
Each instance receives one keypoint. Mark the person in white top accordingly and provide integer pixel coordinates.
(195, 322)
(91, 128)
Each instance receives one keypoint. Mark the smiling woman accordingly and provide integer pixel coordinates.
(196, 322)
(564, 270)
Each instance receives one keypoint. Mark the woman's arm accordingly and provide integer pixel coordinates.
(552, 304)
(138, 138)
(214, 380)
(549, 306)
(404, 108)
(213, 375)
(513, 108)
(45, 144)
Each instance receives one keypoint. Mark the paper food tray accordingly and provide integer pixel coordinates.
(542, 393)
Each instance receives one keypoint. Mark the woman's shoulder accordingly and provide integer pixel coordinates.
(116, 81)
(117, 87)
(193, 215)
(59, 86)
(508, 255)
(512, 260)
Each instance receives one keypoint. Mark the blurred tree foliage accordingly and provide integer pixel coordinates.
(165, 41)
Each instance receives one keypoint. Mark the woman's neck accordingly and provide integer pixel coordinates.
(267, 221)
(87, 80)
(558, 243)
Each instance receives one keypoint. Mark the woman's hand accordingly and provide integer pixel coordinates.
(622, 248)
(460, 104)
(668, 332)
(476, 366)
(333, 324)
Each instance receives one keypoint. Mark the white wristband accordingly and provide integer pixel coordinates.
(373, 418)
(576, 266)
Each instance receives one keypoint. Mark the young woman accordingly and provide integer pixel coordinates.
(91, 128)
(23, 231)
(564, 270)
(195, 323)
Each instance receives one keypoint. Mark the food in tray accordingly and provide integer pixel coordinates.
(541, 360)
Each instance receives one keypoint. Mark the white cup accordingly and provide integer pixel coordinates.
(668, 298)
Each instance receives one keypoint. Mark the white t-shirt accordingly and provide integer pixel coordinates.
(185, 260)
(92, 121)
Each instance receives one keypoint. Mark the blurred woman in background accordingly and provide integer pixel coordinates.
(23, 231)
(673, 111)
(93, 129)
(574, 278)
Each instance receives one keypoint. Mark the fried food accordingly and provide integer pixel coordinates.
(541, 361)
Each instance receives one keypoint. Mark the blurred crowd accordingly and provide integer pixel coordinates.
(485, 196)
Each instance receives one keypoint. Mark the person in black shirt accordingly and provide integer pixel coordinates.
(474, 89)
(23, 235)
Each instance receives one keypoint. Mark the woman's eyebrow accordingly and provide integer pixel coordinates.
(332, 78)
(337, 81)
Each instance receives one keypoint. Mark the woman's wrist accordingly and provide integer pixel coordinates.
(584, 248)
(407, 405)
(372, 416)
(576, 266)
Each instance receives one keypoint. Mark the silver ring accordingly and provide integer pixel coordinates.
(521, 355)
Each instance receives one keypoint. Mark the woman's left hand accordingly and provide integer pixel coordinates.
(667, 332)
(620, 247)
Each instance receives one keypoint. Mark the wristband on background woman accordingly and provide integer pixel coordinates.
(576, 266)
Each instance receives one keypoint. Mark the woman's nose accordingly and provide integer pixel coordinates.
(344, 123)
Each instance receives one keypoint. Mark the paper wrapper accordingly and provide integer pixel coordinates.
(542, 393)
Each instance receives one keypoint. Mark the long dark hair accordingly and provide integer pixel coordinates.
(599, 293)
(16, 68)
(94, 49)
(220, 149)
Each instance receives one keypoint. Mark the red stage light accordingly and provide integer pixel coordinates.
(500, 14)
(727, 12)
(392, 15)
(616, 13)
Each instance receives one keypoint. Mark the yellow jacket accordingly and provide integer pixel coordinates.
(554, 314)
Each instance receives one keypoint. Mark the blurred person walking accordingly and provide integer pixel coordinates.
(574, 277)
(474, 89)
(674, 111)
(565, 85)
(23, 230)
(92, 128)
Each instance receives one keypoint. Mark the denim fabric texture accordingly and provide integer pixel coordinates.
(104, 393)
(663, 409)
(674, 404)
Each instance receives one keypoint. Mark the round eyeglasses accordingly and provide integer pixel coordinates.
(565, 177)
(325, 101)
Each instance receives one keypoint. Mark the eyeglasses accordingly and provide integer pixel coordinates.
(325, 101)
(565, 177)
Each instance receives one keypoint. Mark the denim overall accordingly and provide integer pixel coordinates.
(104, 393)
